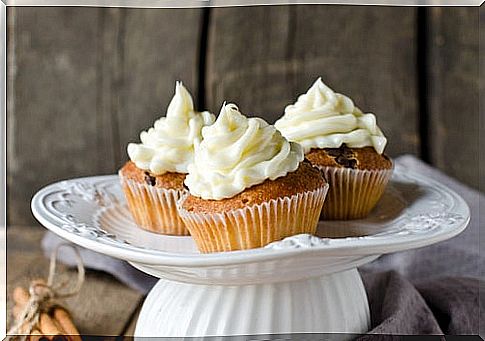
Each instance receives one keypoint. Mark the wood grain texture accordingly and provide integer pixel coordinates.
(481, 143)
(86, 82)
(263, 57)
(481, 115)
(83, 82)
(160, 47)
(52, 127)
(103, 306)
(454, 92)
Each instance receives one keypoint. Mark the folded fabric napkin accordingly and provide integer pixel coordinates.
(443, 305)
(432, 290)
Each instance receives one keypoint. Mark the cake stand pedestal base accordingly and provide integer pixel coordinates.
(335, 303)
(263, 290)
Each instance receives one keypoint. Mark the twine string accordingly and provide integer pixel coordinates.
(43, 295)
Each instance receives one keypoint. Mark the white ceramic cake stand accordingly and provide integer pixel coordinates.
(303, 284)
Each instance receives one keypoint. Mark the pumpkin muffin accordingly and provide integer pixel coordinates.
(345, 144)
(153, 179)
(249, 186)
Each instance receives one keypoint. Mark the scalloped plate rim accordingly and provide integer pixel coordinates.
(355, 247)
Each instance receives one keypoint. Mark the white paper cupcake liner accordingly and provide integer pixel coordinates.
(153, 208)
(256, 225)
(353, 193)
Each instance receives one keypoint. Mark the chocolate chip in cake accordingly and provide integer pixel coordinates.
(347, 163)
(343, 155)
(342, 150)
(150, 179)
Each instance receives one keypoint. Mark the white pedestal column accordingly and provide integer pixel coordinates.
(329, 304)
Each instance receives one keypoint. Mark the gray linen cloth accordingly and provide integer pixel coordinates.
(431, 290)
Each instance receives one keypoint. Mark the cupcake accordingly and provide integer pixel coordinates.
(249, 186)
(153, 179)
(346, 144)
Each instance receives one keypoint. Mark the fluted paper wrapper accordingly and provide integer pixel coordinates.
(257, 225)
(353, 193)
(153, 208)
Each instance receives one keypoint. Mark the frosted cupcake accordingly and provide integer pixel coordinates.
(249, 186)
(153, 179)
(346, 144)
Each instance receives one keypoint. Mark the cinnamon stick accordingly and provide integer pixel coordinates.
(59, 323)
(20, 296)
(48, 325)
(35, 335)
(65, 321)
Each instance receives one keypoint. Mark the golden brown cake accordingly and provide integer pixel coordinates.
(357, 178)
(169, 180)
(345, 144)
(152, 199)
(305, 178)
(249, 186)
(153, 181)
(345, 157)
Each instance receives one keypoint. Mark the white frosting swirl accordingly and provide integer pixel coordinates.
(238, 152)
(322, 118)
(169, 145)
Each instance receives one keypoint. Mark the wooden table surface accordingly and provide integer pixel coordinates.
(104, 306)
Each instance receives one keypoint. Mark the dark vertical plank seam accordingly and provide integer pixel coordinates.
(202, 58)
(423, 72)
(481, 125)
(290, 48)
(118, 86)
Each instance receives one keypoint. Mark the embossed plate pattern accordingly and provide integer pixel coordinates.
(415, 211)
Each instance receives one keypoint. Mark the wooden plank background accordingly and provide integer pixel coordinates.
(83, 82)
(86, 82)
(453, 95)
(371, 58)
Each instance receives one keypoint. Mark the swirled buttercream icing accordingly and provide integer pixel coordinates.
(238, 152)
(322, 118)
(169, 145)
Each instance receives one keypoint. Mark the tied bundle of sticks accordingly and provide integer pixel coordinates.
(37, 313)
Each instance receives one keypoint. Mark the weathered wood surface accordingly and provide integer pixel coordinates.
(104, 306)
(263, 57)
(481, 114)
(156, 47)
(52, 129)
(84, 82)
(481, 137)
(454, 92)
